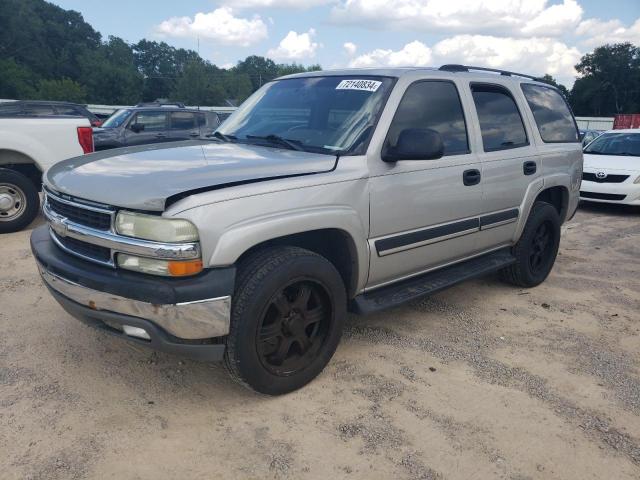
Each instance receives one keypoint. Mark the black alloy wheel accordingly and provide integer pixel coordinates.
(294, 327)
(287, 314)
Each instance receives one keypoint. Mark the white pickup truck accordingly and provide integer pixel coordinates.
(28, 146)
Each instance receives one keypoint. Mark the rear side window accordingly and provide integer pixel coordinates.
(500, 121)
(152, 121)
(183, 121)
(432, 104)
(39, 110)
(67, 110)
(553, 117)
(10, 109)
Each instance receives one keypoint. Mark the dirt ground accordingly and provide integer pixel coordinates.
(482, 381)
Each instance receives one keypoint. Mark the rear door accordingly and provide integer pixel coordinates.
(510, 162)
(424, 213)
(183, 126)
(148, 126)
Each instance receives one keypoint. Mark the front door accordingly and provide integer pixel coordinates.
(424, 213)
(147, 127)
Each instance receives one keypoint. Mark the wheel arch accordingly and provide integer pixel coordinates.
(558, 197)
(334, 244)
(21, 163)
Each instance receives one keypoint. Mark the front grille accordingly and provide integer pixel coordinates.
(602, 196)
(95, 252)
(82, 216)
(591, 177)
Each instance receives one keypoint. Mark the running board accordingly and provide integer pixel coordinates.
(430, 283)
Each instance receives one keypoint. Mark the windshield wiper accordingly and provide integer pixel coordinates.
(273, 138)
(222, 136)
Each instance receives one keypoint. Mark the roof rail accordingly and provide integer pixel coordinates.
(466, 68)
(161, 104)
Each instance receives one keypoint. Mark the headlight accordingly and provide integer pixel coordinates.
(160, 229)
(167, 268)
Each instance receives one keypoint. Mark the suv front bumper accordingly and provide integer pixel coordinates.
(185, 316)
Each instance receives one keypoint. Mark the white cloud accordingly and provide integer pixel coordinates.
(502, 17)
(554, 20)
(220, 25)
(535, 56)
(297, 4)
(412, 54)
(597, 32)
(350, 48)
(295, 46)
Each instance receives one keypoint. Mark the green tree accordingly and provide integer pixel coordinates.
(161, 65)
(16, 81)
(63, 90)
(610, 81)
(110, 75)
(200, 84)
(259, 69)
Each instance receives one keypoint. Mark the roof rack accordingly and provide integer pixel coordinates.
(465, 68)
(161, 104)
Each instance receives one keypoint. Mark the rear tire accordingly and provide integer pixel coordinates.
(537, 248)
(287, 317)
(19, 201)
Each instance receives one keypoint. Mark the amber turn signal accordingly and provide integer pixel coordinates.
(184, 268)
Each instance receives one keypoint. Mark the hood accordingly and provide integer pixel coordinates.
(144, 177)
(611, 162)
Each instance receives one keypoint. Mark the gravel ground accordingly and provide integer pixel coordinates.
(482, 381)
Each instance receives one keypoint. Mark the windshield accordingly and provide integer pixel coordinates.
(116, 119)
(332, 114)
(615, 144)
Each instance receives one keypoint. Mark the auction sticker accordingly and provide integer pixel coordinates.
(366, 85)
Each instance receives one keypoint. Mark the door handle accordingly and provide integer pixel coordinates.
(529, 168)
(194, 134)
(471, 177)
(160, 135)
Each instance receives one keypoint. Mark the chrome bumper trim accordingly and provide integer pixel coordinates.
(190, 320)
(118, 243)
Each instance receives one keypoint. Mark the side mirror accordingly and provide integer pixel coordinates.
(137, 127)
(415, 144)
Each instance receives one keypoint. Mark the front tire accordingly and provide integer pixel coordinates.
(287, 317)
(537, 248)
(19, 201)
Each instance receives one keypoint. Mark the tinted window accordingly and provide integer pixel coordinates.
(623, 144)
(553, 117)
(432, 105)
(500, 121)
(39, 110)
(152, 120)
(183, 121)
(116, 119)
(10, 109)
(67, 110)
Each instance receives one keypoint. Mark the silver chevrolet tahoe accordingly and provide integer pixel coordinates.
(325, 192)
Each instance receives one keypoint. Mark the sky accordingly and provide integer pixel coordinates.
(528, 36)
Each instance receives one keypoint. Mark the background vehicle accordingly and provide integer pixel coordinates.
(154, 124)
(28, 146)
(625, 121)
(37, 108)
(324, 191)
(612, 168)
(587, 136)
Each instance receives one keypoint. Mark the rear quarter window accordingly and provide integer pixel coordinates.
(554, 119)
